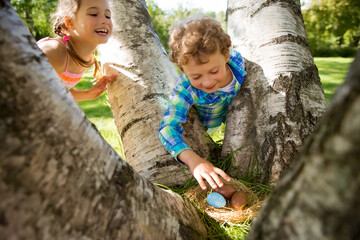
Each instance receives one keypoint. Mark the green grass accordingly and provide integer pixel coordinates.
(99, 113)
(332, 72)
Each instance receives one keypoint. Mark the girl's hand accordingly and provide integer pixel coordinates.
(202, 169)
(94, 92)
(101, 84)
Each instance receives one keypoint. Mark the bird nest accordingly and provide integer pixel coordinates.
(226, 214)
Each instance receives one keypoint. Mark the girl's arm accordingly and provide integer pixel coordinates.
(94, 92)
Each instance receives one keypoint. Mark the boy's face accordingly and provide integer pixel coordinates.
(210, 76)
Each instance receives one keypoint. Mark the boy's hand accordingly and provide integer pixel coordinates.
(202, 169)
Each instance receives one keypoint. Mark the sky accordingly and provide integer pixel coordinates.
(206, 5)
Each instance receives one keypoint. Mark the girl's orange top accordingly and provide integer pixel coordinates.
(70, 79)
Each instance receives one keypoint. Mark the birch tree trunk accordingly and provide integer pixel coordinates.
(59, 179)
(281, 99)
(319, 197)
(140, 95)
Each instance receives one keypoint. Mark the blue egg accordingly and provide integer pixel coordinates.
(216, 200)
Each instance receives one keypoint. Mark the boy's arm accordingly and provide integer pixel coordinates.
(170, 130)
(202, 169)
(170, 134)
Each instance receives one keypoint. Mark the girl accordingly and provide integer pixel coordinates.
(81, 26)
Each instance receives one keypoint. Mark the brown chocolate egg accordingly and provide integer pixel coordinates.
(226, 191)
(239, 200)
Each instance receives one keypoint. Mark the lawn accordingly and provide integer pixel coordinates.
(332, 72)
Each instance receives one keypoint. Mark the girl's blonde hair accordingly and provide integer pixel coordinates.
(68, 8)
(197, 38)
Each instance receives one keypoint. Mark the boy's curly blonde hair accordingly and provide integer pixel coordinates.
(197, 38)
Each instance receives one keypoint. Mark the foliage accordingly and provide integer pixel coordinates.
(36, 15)
(163, 20)
(325, 51)
(332, 26)
(333, 23)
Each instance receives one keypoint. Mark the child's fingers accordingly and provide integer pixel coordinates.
(201, 183)
(112, 77)
(210, 180)
(217, 179)
(108, 78)
(222, 174)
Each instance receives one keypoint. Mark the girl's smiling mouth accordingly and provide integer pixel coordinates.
(102, 31)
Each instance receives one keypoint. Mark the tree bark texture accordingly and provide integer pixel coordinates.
(59, 179)
(319, 197)
(140, 95)
(281, 99)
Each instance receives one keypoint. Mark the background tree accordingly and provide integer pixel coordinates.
(281, 99)
(59, 179)
(36, 14)
(163, 20)
(319, 197)
(331, 23)
(160, 22)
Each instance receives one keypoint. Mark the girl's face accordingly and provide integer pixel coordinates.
(92, 22)
(210, 76)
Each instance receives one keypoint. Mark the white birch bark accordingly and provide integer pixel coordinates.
(59, 179)
(281, 99)
(319, 197)
(140, 95)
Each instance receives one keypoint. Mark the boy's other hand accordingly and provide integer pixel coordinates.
(202, 169)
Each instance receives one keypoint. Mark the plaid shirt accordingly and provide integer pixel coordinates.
(211, 107)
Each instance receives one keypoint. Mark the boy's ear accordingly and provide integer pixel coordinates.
(227, 56)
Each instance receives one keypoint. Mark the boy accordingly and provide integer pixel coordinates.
(212, 75)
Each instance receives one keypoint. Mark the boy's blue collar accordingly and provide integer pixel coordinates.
(201, 94)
